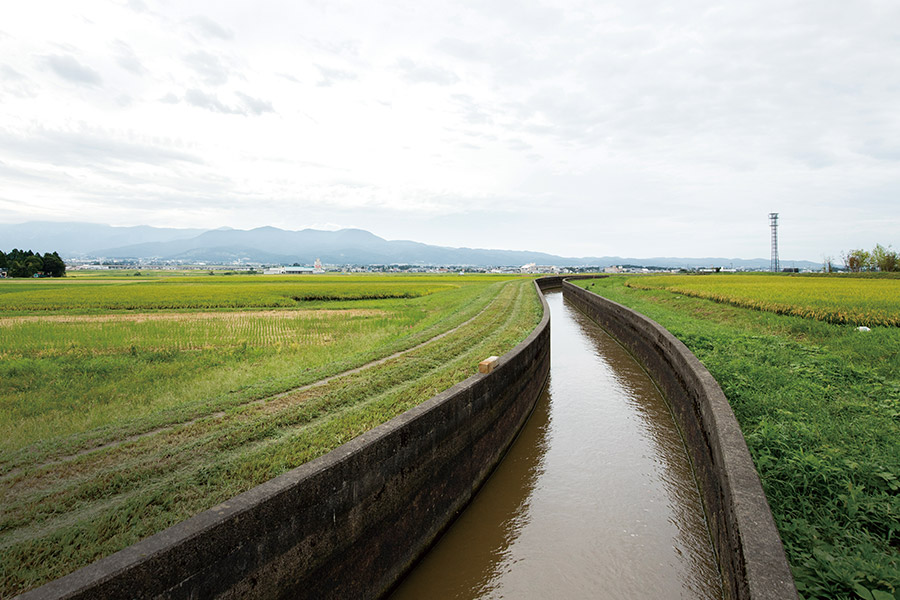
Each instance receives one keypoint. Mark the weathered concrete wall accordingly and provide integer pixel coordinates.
(348, 524)
(748, 547)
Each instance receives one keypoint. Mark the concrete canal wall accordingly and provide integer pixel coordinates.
(348, 524)
(748, 548)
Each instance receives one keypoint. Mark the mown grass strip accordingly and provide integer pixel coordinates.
(819, 406)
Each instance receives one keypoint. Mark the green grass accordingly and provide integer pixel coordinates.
(819, 405)
(190, 418)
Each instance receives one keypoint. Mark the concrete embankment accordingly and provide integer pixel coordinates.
(749, 550)
(348, 524)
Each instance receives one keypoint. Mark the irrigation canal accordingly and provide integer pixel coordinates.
(595, 499)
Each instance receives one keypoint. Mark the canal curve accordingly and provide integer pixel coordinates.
(595, 499)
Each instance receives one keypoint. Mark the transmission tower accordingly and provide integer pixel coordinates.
(773, 223)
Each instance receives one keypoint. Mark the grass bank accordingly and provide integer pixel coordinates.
(819, 405)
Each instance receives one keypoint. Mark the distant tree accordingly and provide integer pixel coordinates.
(828, 265)
(25, 263)
(885, 259)
(34, 264)
(17, 269)
(880, 259)
(54, 265)
(857, 260)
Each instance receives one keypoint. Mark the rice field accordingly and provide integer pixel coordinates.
(199, 292)
(836, 299)
(118, 422)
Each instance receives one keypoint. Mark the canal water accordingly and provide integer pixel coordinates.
(595, 499)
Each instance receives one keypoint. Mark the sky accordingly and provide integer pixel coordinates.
(632, 128)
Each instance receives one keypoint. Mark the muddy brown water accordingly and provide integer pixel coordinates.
(595, 499)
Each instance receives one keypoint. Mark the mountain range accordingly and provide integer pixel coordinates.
(270, 245)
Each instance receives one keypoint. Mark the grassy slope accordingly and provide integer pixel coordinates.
(819, 405)
(65, 513)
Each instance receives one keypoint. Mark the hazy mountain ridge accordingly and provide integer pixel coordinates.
(271, 245)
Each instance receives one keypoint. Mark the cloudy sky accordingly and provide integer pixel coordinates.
(636, 128)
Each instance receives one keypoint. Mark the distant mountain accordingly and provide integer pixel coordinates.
(270, 245)
(78, 239)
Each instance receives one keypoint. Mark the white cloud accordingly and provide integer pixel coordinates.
(633, 128)
(210, 67)
(210, 28)
(127, 59)
(71, 70)
(416, 73)
(255, 105)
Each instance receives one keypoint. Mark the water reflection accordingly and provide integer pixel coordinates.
(477, 545)
(594, 500)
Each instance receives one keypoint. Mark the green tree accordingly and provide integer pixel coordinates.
(54, 265)
(34, 264)
(4, 264)
(17, 269)
(885, 259)
(857, 260)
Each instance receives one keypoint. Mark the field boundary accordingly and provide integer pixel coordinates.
(347, 524)
(748, 548)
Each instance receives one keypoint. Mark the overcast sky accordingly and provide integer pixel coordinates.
(632, 128)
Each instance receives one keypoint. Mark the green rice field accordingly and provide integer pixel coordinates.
(129, 404)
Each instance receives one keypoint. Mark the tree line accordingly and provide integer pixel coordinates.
(879, 259)
(25, 263)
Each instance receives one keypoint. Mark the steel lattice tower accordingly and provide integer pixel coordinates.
(773, 223)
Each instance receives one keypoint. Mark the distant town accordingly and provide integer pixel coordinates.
(319, 268)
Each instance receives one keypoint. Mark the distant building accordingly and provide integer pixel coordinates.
(298, 270)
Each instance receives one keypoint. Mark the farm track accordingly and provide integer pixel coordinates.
(222, 413)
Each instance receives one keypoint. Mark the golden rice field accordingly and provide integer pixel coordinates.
(836, 299)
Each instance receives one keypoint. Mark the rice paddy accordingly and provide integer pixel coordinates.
(125, 408)
(838, 299)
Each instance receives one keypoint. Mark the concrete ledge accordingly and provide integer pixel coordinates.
(749, 550)
(348, 524)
